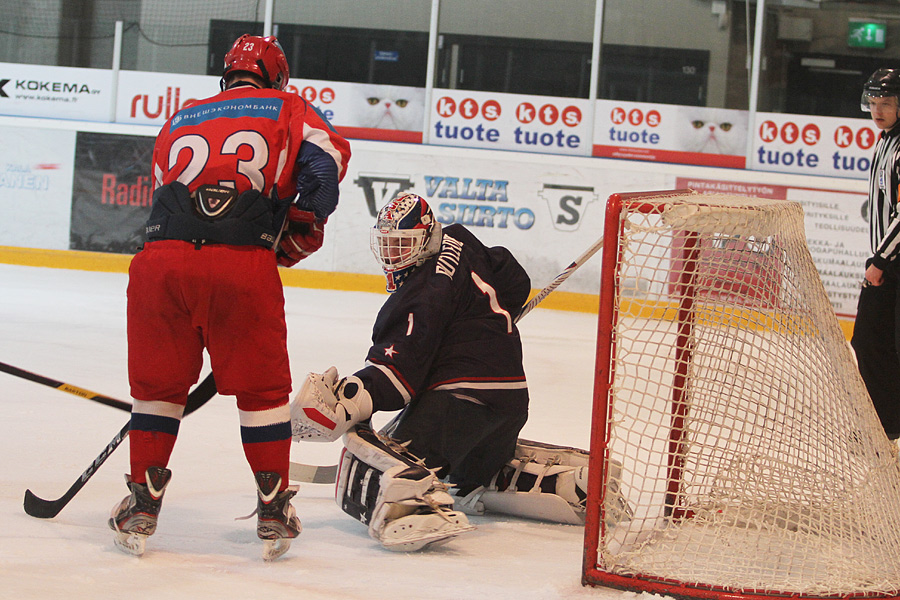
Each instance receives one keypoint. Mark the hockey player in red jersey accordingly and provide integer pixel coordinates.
(244, 181)
(445, 352)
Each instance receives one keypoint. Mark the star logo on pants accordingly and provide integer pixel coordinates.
(389, 351)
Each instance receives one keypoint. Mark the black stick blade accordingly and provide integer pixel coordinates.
(43, 509)
(47, 509)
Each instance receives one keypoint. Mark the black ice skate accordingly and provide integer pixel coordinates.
(277, 523)
(134, 518)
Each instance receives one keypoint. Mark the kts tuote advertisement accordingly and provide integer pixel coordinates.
(814, 145)
(510, 122)
(694, 135)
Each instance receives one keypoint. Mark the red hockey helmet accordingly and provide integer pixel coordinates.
(262, 56)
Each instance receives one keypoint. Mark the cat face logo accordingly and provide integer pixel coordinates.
(378, 189)
(567, 204)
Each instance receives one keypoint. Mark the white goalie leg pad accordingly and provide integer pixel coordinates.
(559, 506)
(549, 453)
(547, 483)
(405, 506)
(325, 408)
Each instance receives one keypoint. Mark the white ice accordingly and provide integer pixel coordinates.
(70, 325)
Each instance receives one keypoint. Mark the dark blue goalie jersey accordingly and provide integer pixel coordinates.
(451, 326)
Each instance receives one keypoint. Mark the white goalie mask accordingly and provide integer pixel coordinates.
(405, 234)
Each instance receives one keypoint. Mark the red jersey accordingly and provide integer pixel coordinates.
(243, 138)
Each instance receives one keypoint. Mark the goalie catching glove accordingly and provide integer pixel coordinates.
(325, 408)
(303, 234)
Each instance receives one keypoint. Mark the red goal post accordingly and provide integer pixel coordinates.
(752, 459)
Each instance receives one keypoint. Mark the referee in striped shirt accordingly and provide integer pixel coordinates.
(876, 334)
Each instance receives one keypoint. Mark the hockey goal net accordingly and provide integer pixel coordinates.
(752, 458)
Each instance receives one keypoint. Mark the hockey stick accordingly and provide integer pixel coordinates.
(539, 297)
(313, 473)
(326, 474)
(64, 387)
(47, 509)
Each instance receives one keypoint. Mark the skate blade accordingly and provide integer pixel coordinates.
(131, 543)
(273, 549)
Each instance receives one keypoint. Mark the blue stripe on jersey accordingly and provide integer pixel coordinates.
(265, 108)
(322, 116)
(145, 422)
(267, 433)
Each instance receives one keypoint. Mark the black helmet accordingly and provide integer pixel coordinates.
(882, 84)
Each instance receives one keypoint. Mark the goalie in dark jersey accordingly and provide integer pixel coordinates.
(447, 354)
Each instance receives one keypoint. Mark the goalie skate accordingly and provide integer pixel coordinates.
(384, 486)
(426, 530)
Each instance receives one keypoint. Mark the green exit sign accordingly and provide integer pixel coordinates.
(866, 34)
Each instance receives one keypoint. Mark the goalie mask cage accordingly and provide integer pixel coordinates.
(753, 461)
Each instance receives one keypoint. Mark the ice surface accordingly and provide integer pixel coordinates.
(70, 325)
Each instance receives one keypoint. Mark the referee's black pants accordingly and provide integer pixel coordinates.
(876, 339)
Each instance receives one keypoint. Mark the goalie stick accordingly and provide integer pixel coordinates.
(47, 509)
(539, 297)
(313, 473)
(327, 474)
(64, 387)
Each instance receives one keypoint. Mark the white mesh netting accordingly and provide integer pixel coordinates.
(753, 459)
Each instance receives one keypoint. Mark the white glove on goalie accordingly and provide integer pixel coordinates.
(325, 408)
